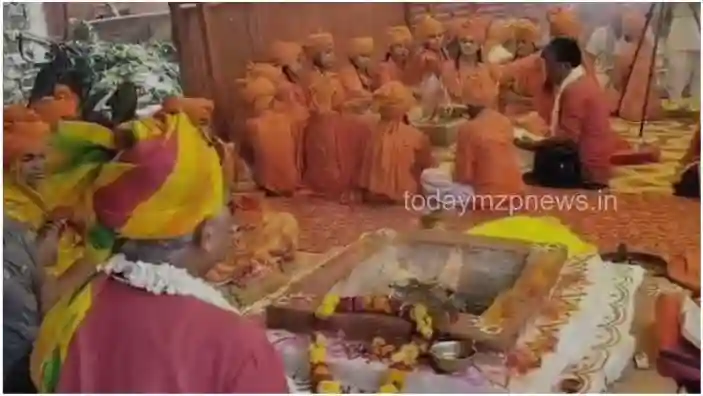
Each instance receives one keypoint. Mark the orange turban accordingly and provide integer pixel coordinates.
(361, 46)
(563, 22)
(53, 110)
(265, 70)
(473, 30)
(526, 30)
(16, 112)
(499, 31)
(454, 27)
(633, 23)
(318, 42)
(480, 88)
(198, 110)
(399, 35)
(24, 132)
(259, 92)
(394, 97)
(285, 53)
(428, 27)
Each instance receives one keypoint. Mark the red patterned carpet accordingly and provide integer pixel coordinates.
(656, 223)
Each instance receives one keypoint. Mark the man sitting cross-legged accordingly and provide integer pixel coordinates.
(581, 141)
(147, 323)
(486, 161)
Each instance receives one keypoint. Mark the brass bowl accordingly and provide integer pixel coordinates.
(452, 356)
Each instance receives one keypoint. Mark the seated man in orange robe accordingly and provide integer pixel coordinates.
(335, 141)
(579, 117)
(469, 66)
(630, 95)
(288, 56)
(522, 77)
(396, 66)
(429, 32)
(356, 77)
(453, 29)
(272, 137)
(486, 162)
(289, 99)
(397, 153)
(499, 47)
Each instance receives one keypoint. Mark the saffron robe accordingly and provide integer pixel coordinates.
(486, 158)
(635, 91)
(132, 341)
(584, 119)
(484, 81)
(395, 157)
(427, 62)
(334, 142)
(355, 83)
(389, 71)
(277, 165)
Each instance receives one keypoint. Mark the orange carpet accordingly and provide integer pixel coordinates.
(656, 223)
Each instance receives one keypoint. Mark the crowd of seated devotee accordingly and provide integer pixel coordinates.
(328, 110)
(133, 191)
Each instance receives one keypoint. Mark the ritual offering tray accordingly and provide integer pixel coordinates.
(442, 128)
(478, 289)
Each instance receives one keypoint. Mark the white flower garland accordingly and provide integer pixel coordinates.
(165, 279)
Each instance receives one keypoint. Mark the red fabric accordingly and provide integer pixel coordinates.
(135, 342)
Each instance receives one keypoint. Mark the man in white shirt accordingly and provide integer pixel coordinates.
(606, 42)
(684, 51)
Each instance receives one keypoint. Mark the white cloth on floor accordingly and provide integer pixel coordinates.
(441, 190)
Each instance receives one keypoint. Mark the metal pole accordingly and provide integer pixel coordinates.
(650, 14)
(660, 21)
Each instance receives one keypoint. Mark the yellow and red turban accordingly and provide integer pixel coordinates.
(162, 187)
(428, 27)
(285, 53)
(361, 46)
(199, 110)
(393, 98)
(563, 22)
(319, 42)
(24, 133)
(265, 70)
(399, 35)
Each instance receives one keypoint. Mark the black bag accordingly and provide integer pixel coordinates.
(689, 185)
(557, 166)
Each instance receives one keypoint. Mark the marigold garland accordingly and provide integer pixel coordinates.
(403, 360)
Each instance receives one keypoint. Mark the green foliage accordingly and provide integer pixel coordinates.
(150, 66)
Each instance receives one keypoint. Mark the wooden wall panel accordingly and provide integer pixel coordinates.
(241, 32)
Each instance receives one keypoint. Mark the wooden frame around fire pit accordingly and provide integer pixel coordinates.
(297, 314)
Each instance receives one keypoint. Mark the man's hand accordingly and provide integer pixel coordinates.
(47, 242)
(525, 143)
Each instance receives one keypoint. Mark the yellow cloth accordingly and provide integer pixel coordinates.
(534, 230)
(526, 30)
